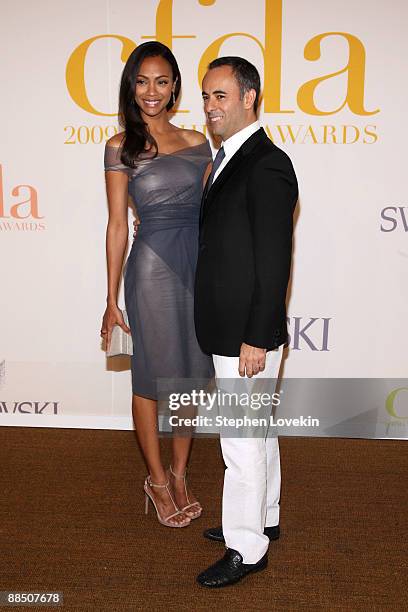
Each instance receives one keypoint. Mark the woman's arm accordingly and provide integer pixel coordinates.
(116, 241)
(117, 230)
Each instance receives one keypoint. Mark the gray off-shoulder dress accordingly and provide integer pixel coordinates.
(159, 272)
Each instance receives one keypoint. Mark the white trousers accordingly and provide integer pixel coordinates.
(252, 477)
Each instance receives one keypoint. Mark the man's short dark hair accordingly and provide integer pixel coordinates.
(245, 73)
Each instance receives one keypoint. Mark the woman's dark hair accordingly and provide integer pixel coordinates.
(245, 73)
(130, 118)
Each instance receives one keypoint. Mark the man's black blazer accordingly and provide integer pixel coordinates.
(245, 250)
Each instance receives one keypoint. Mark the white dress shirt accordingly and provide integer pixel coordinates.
(232, 144)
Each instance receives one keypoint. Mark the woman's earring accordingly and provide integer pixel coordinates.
(174, 99)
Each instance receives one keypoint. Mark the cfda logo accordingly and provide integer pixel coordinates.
(350, 96)
(21, 215)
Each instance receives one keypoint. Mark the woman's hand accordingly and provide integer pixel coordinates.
(113, 316)
(136, 223)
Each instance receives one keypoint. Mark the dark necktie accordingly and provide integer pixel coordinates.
(216, 164)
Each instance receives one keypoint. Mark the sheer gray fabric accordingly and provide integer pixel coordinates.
(159, 272)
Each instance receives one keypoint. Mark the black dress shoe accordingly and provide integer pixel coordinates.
(215, 533)
(229, 570)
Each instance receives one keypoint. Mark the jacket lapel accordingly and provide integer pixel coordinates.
(210, 193)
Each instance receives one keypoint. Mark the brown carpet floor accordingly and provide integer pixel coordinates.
(72, 520)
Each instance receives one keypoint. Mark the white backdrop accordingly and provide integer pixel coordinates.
(345, 133)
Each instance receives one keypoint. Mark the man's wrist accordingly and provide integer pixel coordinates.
(253, 346)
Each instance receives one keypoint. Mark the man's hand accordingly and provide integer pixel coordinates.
(136, 222)
(251, 360)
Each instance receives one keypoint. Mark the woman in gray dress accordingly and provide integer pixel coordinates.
(162, 168)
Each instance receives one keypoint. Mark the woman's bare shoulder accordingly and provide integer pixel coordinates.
(193, 138)
(116, 140)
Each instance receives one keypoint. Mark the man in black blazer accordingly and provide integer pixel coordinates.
(240, 293)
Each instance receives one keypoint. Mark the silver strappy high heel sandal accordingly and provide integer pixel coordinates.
(193, 509)
(163, 520)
